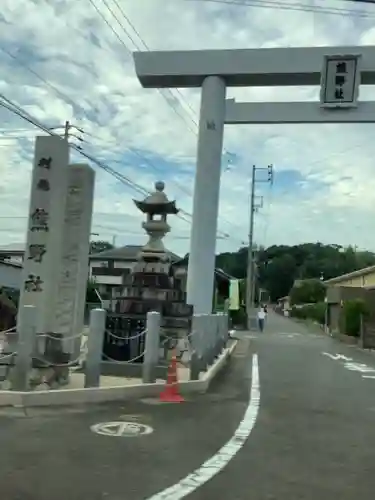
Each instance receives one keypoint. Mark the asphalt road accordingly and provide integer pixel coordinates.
(314, 437)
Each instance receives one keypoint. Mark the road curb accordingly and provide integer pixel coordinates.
(10, 398)
(102, 394)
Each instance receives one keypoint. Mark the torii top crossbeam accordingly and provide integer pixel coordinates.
(245, 67)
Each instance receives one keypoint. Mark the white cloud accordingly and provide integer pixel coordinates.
(87, 76)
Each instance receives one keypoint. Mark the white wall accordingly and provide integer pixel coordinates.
(14, 259)
(123, 265)
(96, 263)
(108, 280)
(10, 276)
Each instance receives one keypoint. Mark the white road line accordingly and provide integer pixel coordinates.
(216, 463)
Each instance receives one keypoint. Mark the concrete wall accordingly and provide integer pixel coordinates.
(337, 294)
(10, 276)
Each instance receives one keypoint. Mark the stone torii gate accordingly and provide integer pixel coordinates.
(338, 70)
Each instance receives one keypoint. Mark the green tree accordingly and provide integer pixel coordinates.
(307, 292)
(280, 265)
(234, 264)
(100, 246)
(90, 292)
(277, 275)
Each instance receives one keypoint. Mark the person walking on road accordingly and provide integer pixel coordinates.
(261, 318)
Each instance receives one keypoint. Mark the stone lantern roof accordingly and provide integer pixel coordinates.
(157, 203)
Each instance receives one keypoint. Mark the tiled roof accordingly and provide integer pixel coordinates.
(353, 274)
(13, 248)
(128, 252)
(219, 272)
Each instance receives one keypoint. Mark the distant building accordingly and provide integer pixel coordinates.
(363, 278)
(11, 259)
(283, 303)
(10, 275)
(13, 253)
(358, 284)
(109, 269)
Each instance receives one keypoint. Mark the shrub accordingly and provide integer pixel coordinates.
(298, 312)
(307, 292)
(315, 312)
(319, 312)
(239, 317)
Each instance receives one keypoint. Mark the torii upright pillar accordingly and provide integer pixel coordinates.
(201, 269)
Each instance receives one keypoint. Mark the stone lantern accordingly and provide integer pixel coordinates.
(151, 286)
(157, 207)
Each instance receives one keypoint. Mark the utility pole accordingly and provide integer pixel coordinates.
(66, 130)
(250, 276)
(67, 134)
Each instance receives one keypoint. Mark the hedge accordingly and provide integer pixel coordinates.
(350, 318)
(315, 312)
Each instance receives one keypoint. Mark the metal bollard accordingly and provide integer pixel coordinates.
(214, 336)
(206, 339)
(195, 366)
(211, 330)
(220, 338)
(203, 341)
(225, 328)
(25, 347)
(198, 341)
(95, 347)
(215, 333)
(151, 356)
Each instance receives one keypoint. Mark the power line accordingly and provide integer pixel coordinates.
(129, 52)
(148, 49)
(8, 104)
(151, 164)
(70, 101)
(46, 82)
(100, 227)
(146, 46)
(94, 160)
(67, 98)
(296, 6)
(359, 1)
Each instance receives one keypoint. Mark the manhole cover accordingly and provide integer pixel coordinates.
(121, 429)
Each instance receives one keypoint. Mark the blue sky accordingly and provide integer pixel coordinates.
(61, 61)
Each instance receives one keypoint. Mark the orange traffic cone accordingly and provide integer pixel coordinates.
(171, 394)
